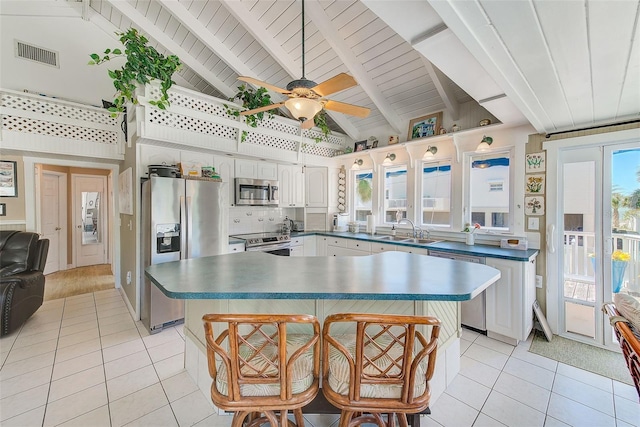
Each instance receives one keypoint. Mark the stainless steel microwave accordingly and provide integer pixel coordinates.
(256, 192)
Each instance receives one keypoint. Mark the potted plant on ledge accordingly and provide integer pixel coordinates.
(144, 64)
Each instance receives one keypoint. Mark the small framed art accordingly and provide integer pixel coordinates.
(8, 179)
(424, 126)
(360, 145)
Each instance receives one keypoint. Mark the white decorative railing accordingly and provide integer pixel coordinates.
(37, 123)
(578, 264)
(201, 121)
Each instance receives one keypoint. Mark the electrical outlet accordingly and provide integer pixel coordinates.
(538, 281)
(128, 277)
(534, 223)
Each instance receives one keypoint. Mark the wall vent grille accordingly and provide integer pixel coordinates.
(36, 54)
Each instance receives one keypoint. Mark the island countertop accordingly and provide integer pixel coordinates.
(383, 276)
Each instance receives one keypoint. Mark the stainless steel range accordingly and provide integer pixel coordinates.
(273, 243)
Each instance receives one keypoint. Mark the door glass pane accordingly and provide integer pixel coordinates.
(436, 193)
(579, 287)
(395, 193)
(489, 195)
(363, 190)
(625, 220)
(91, 232)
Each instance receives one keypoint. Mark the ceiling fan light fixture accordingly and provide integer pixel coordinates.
(303, 108)
(484, 144)
(431, 151)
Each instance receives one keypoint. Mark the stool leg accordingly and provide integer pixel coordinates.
(402, 419)
(299, 418)
(345, 418)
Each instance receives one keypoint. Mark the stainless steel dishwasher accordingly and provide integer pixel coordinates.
(472, 312)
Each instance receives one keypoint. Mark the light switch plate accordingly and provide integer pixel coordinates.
(534, 223)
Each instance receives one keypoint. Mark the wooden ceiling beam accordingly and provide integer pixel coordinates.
(444, 90)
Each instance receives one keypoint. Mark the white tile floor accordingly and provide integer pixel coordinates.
(82, 361)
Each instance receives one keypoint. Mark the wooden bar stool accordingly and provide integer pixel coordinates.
(272, 365)
(375, 364)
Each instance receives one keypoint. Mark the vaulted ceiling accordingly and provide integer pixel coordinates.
(557, 65)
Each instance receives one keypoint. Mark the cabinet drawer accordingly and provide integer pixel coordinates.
(376, 248)
(333, 241)
(297, 241)
(359, 245)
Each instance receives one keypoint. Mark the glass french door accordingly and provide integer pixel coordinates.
(597, 240)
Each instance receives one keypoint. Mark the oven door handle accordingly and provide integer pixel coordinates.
(266, 248)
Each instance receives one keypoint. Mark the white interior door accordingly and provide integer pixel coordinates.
(54, 219)
(90, 224)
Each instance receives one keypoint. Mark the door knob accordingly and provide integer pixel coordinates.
(58, 228)
(79, 226)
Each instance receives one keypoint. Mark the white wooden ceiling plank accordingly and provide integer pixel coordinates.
(324, 71)
(272, 13)
(368, 37)
(412, 81)
(336, 8)
(630, 97)
(242, 44)
(163, 20)
(275, 50)
(365, 20)
(392, 46)
(391, 55)
(197, 49)
(141, 6)
(226, 29)
(322, 22)
(236, 35)
(172, 28)
(181, 35)
(218, 21)
(530, 56)
(196, 7)
(251, 50)
(411, 68)
(170, 45)
(347, 16)
(396, 64)
(257, 8)
(564, 25)
(283, 20)
(608, 22)
(207, 13)
(153, 11)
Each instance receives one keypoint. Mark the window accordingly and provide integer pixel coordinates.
(489, 195)
(362, 190)
(436, 193)
(395, 193)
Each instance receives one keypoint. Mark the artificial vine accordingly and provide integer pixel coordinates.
(250, 99)
(144, 64)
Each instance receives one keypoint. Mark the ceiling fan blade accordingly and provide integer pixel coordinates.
(343, 107)
(335, 84)
(308, 124)
(261, 109)
(263, 84)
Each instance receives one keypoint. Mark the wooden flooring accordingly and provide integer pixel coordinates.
(76, 281)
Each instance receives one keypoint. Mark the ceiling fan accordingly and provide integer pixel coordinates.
(306, 97)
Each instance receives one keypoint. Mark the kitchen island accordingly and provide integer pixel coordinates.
(390, 282)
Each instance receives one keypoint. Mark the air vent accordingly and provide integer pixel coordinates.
(36, 54)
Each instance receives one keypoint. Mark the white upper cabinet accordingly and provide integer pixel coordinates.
(225, 167)
(316, 180)
(256, 169)
(291, 181)
(267, 170)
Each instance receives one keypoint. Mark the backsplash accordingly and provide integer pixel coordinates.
(244, 220)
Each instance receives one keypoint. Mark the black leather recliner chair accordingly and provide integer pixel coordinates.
(22, 259)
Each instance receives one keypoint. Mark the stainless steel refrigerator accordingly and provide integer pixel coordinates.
(181, 218)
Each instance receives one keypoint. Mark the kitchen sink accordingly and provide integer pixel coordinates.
(421, 241)
(394, 238)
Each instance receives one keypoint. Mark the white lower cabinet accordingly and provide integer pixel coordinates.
(510, 300)
(321, 245)
(412, 250)
(235, 247)
(347, 247)
(297, 246)
(310, 245)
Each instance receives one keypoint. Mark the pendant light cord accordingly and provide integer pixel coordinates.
(303, 75)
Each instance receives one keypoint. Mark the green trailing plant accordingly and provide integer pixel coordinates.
(250, 98)
(144, 64)
(320, 120)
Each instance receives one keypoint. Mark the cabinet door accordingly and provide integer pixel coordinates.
(225, 167)
(297, 186)
(412, 250)
(152, 155)
(246, 168)
(316, 187)
(297, 251)
(267, 170)
(505, 299)
(310, 245)
(321, 245)
(195, 159)
(235, 248)
(285, 181)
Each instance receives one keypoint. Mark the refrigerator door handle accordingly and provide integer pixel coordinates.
(189, 228)
(183, 229)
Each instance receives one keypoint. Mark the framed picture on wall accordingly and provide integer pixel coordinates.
(360, 145)
(8, 179)
(424, 126)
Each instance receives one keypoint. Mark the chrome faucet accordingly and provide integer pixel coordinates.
(415, 234)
